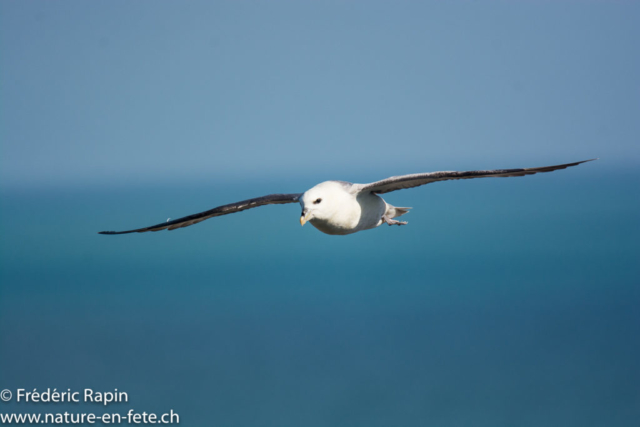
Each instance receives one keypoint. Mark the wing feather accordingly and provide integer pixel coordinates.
(415, 180)
(271, 199)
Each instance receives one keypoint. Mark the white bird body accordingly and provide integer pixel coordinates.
(339, 207)
(341, 211)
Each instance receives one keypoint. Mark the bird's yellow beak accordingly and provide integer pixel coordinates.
(304, 218)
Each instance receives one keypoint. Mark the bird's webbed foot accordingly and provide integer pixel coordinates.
(393, 221)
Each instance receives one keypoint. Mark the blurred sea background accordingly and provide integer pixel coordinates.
(503, 302)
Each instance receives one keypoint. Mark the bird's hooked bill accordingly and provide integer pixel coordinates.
(304, 217)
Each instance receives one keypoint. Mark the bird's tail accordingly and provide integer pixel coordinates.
(394, 211)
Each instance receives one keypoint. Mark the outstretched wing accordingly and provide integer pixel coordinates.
(415, 180)
(271, 199)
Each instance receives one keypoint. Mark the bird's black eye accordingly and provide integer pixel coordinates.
(317, 201)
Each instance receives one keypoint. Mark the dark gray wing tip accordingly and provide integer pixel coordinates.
(585, 161)
(116, 232)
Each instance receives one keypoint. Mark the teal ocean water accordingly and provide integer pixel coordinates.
(504, 302)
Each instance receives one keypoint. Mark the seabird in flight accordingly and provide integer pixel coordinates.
(339, 207)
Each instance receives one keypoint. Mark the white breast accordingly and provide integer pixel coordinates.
(354, 214)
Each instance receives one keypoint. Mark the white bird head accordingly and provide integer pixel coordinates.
(323, 201)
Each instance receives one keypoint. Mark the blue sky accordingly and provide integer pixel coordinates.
(102, 93)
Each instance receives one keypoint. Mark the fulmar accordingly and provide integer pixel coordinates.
(339, 207)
